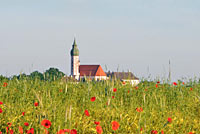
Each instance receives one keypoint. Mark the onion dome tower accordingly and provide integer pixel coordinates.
(75, 63)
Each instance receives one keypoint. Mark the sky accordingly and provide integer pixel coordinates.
(136, 35)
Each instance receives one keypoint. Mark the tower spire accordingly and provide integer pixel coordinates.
(74, 44)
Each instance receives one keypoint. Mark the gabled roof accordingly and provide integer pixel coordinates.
(91, 70)
(122, 75)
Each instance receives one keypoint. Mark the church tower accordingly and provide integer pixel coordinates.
(75, 63)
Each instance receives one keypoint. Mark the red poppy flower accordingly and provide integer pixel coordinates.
(23, 113)
(1, 103)
(46, 123)
(141, 129)
(61, 131)
(93, 99)
(9, 124)
(36, 104)
(113, 97)
(128, 91)
(190, 133)
(174, 83)
(156, 85)
(31, 131)
(114, 90)
(190, 89)
(73, 131)
(67, 130)
(162, 132)
(20, 130)
(11, 131)
(5, 84)
(139, 109)
(99, 129)
(26, 124)
(154, 132)
(1, 110)
(136, 88)
(183, 83)
(123, 82)
(115, 125)
(87, 113)
(169, 120)
(1, 132)
(97, 122)
(158, 82)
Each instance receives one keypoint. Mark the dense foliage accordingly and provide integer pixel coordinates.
(103, 107)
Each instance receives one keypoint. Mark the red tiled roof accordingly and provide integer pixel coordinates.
(91, 70)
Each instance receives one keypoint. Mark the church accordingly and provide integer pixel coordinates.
(92, 72)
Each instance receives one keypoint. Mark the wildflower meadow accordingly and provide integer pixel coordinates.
(107, 107)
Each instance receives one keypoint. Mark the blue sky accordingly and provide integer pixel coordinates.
(136, 35)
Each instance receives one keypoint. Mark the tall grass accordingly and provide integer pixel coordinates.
(64, 105)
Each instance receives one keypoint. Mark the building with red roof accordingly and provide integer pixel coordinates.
(84, 71)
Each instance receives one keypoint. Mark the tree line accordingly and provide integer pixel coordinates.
(49, 75)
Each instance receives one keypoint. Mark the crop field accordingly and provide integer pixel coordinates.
(58, 107)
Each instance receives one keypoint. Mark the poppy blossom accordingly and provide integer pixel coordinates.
(26, 124)
(11, 131)
(73, 131)
(156, 85)
(5, 84)
(1, 103)
(67, 130)
(61, 131)
(190, 89)
(46, 123)
(169, 120)
(97, 122)
(99, 129)
(9, 124)
(114, 90)
(87, 113)
(190, 133)
(115, 125)
(20, 130)
(139, 109)
(123, 82)
(158, 82)
(23, 113)
(93, 99)
(128, 91)
(154, 132)
(113, 97)
(1, 110)
(36, 104)
(136, 88)
(31, 131)
(162, 132)
(174, 83)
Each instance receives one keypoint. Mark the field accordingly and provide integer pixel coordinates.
(35, 106)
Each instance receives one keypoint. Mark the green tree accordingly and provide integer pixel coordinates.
(53, 74)
(36, 75)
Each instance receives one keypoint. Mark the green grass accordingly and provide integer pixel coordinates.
(64, 105)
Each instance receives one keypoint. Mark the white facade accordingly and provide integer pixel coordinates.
(132, 82)
(95, 77)
(75, 67)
